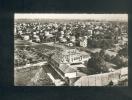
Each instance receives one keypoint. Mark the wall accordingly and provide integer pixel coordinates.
(70, 75)
(99, 79)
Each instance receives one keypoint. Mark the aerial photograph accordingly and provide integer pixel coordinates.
(70, 49)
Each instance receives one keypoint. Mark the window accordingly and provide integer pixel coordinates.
(80, 58)
(76, 58)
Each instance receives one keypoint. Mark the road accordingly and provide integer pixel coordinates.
(31, 65)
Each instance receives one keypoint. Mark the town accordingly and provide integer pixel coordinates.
(70, 52)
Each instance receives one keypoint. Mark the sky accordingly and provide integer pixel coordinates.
(82, 16)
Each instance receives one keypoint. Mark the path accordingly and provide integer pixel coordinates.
(31, 65)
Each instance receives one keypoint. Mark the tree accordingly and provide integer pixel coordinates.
(123, 52)
(107, 58)
(116, 60)
(96, 64)
(102, 53)
(106, 43)
(93, 43)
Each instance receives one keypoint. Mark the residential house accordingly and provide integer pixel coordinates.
(83, 42)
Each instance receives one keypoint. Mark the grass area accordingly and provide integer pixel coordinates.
(23, 78)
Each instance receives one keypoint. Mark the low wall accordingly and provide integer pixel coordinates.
(100, 79)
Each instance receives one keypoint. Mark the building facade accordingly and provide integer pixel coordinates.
(83, 42)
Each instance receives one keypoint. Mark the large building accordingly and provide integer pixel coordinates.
(63, 62)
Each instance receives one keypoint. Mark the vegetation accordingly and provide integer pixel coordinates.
(26, 56)
(96, 64)
(98, 42)
(25, 78)
(123, 51)
(119, 62)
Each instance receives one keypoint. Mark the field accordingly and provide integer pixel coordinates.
(28, 77)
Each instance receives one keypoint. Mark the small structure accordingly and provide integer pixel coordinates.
(72, 39)
(26, 37)
(62, 40)
(36, 38)
(67, 71)
(83, 42)
(69, 44)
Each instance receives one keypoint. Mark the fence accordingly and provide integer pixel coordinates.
(100, 79)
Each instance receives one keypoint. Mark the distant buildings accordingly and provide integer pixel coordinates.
(90, 32)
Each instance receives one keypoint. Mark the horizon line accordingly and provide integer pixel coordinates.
(73, 16)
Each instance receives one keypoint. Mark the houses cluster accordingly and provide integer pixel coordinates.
(69, 33)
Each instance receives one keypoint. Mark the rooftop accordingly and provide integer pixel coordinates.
(60, 54)
(66, 69)
(77, 66)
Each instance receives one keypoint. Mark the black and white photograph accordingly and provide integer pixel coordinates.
(70, 49)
